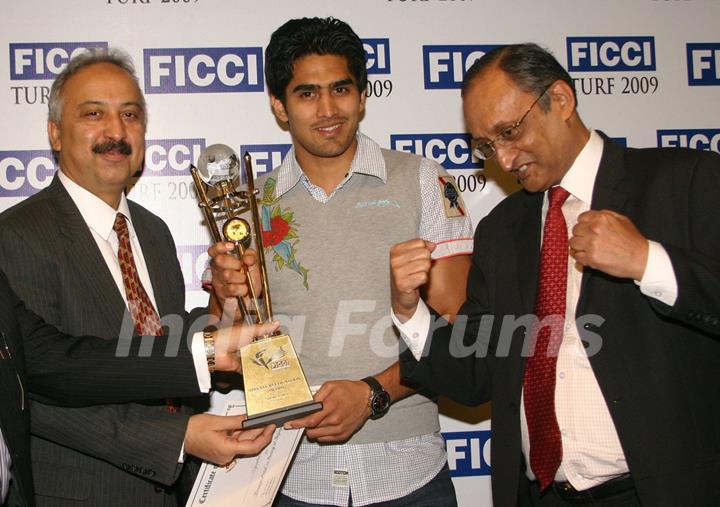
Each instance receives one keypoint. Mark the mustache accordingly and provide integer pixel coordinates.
(121, 146)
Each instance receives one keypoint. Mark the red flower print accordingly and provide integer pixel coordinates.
(279, 228)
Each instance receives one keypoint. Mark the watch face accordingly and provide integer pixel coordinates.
(237, 230)
(380, 403)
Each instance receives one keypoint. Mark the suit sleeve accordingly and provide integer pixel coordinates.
(142, 440)
(86, 370)
(696, 260)
(453, 363)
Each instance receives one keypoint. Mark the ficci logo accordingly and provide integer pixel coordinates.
(171, 157)
(203, 70)
(445, 66)
(44, 60)
(697, 139)
(602, 54)
(452, 151)
(377, 55)
(703, 61)
(24, 172)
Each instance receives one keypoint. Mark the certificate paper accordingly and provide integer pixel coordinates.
(248, 481)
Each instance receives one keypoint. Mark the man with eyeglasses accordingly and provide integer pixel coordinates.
(592, 311)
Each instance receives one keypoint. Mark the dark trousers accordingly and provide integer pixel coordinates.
(550, 499)
(439, 492)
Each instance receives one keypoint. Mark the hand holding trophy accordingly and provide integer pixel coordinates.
(276, 389)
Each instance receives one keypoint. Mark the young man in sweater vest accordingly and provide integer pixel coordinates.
(331, 212)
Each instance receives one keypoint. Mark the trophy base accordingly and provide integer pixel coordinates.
(280, 415)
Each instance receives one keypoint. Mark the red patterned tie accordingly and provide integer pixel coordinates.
(142, 311)
(539, 379)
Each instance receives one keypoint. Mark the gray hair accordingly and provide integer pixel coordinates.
(114, 56)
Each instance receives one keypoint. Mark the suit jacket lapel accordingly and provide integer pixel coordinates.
(527, 248)
(526, 232)
(84, 257)
(608, 192)
(155, 263)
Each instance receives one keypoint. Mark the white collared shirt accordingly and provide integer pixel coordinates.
(592, 453)
(5, 463)
(100, 217)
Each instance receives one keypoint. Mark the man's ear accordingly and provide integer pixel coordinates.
(54, 135)
(278, 108)
(363, 98)
(564, 98)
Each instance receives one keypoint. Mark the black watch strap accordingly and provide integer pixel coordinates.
(375, 386)
(379, 401)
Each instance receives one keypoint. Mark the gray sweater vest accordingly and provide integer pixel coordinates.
(339, 319)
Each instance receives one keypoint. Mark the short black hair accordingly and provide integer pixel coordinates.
(530, 66)
(311, 36)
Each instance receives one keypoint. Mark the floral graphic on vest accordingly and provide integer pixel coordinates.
(279, 232)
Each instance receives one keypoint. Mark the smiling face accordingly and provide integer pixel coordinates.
(100, 139)
(322, 109)
(549, 140)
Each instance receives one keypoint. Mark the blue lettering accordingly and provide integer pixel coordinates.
(452, 151)
(203, 70)
(44, 60)
(444, 67)
(703, 63)
(603, 54)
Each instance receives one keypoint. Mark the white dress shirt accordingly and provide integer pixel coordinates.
(592, 453)
(4, 468)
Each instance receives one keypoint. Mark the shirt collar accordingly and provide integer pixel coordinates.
(580, 178)
(368, 160)
(98, 215)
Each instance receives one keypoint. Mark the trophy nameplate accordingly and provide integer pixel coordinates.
(276, 389)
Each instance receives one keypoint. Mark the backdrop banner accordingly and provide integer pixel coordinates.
(647, 73)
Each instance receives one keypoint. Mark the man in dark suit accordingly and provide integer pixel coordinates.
(79, 371)
(59, 249)
(615, 402)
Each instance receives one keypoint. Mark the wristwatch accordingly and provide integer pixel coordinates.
(209, 342)
(379, 401)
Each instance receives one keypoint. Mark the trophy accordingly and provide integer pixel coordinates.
(276, 389)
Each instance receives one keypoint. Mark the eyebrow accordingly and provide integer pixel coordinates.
(497, 129)
(502, 125)
(104, 103)
(306, 87)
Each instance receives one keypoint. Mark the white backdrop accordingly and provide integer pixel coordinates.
(647, 72)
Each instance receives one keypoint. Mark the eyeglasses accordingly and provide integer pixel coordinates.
(506, 136)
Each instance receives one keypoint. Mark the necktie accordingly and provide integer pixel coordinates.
(146, 319)
(539, 377)
(142, 311)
